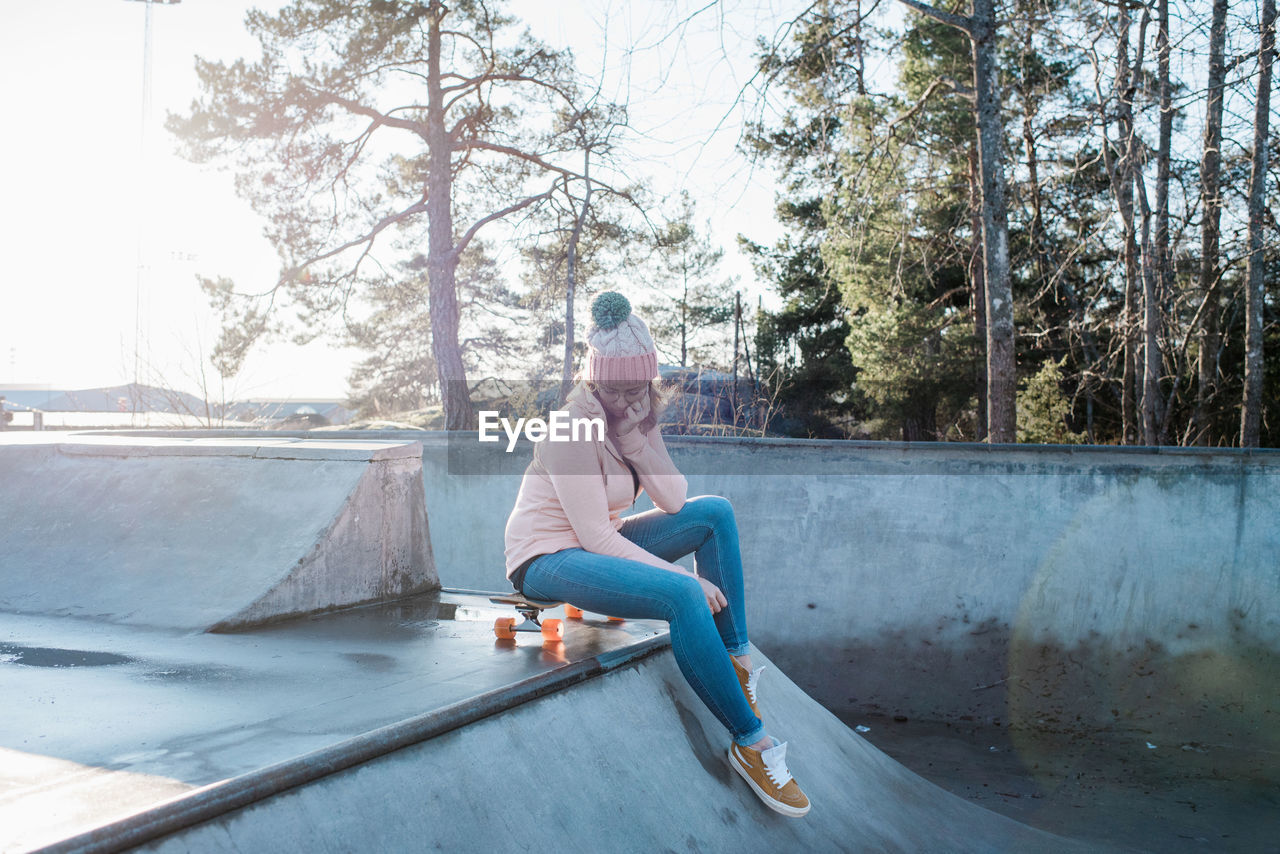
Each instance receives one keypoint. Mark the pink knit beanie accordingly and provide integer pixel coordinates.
(619, 347)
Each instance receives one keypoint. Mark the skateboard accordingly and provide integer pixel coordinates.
(531, 610)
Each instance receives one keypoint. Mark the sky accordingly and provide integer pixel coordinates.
(87, 193)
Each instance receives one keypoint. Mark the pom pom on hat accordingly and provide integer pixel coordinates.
(619, 346)
(610, 309)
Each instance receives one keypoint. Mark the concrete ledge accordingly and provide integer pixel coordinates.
(629, 761)
(216, 800)
(209, 532)
(272, 448)
(430, 437)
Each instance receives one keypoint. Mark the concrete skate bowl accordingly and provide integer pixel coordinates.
(208, 533)
(1042, 590)
(627, 761)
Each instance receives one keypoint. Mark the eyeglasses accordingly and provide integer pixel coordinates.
(630, 393)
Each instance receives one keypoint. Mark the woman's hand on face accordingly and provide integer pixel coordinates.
(636, 412)
(715, 599)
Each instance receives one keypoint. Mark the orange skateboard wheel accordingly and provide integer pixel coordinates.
(572, 612)
(552, 629)
(504, 627)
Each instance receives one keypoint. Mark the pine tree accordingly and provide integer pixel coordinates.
(694, 299)
(374, 122)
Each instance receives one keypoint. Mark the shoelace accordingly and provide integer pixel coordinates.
(777, 769)
(751, 683)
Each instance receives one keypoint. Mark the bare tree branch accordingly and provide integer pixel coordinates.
(958, 88)
(417, 207)
(364, 110)
(960, 22)
(510, 209)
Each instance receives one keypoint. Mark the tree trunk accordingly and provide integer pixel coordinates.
(442, 261)
(571, 278)
(566, 371)
(1210, 164)
(1150, 324)
(684, 323)
(1123, 180)
(1001, 357)
(737, 326)
(978, 277)
(1128, 330)
(1251, 410)
(1002, 379)
(920, 419)
(860, 61)
(1033, 181)
(1159, 285)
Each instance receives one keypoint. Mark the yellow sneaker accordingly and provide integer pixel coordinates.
(766, 772)
(748, 679)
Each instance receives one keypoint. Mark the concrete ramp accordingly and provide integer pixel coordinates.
(627, 761)
(208, 534)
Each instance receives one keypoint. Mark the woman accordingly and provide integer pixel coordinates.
(566, 542)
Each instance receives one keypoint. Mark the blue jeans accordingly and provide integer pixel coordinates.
(627, 588)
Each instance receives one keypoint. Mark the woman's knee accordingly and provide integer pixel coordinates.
(714, 508)
(685, 595)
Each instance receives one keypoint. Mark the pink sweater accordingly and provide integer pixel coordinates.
(573, 493)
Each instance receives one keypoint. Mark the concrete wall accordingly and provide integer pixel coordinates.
(208, 533)
(1028, 585)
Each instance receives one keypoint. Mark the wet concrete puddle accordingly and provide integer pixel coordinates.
(41, 656)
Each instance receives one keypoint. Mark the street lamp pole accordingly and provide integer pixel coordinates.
(143, 188)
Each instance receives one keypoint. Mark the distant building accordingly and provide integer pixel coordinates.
(20, 397)
(132, 405)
